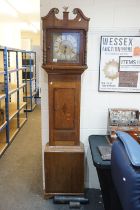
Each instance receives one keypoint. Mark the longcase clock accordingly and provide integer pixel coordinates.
(64, 59)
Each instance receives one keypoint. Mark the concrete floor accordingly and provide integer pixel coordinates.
(21, 173)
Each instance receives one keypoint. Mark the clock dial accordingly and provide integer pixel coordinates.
(66, 47)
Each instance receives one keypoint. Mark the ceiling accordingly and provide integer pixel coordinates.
(24, 12)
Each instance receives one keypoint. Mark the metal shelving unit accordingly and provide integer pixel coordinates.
(29, 61)
(12, 90)
(3, 114)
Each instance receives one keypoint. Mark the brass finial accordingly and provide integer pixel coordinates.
(65, 8)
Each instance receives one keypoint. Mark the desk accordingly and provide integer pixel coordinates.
(110, 198)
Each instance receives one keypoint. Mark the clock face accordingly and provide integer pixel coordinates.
(66, 47)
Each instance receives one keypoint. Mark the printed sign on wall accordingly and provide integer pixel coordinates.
(120, 64)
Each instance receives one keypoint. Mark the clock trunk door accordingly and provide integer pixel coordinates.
(64, 109)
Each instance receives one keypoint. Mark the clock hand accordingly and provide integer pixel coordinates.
(65, 49)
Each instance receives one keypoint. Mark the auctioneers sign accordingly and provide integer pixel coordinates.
(120, 64)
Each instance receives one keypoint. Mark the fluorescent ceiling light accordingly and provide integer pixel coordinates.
(6, 9)
(27, 12)
(24, 26)
(26, 6)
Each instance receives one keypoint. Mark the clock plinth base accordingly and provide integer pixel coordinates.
(51, 195)
(64, 170)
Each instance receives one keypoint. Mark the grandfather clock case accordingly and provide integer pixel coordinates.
(64, 59)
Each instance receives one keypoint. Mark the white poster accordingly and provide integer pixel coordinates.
(120, 64)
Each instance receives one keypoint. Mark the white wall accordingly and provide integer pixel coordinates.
(108, 17)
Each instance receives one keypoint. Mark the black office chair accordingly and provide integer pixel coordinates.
(125, 169)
